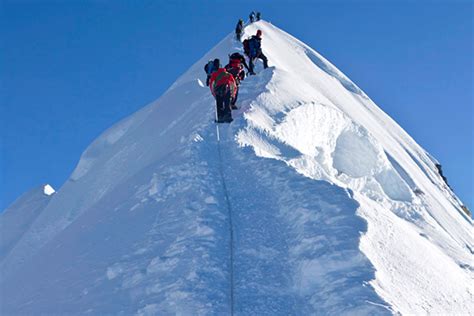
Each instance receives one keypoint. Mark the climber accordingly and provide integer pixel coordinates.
(236, 65)
(236, 68)
(254, 51)
(210, 67)
(239, 28)
(252, 17)
(258, 16)
(223, 88)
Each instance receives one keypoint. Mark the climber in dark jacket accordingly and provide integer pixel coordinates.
(252, 17)
(239, 28)
(255, 52)
(258, 16)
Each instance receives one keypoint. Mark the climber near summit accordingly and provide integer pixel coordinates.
(210, 67)
(236, 68)
(223, 88)
(253, 49)
(238, 29)
(252, 16)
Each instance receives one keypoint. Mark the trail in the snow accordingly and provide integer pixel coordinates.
(231, 225)
(276, 257)
(229, 209)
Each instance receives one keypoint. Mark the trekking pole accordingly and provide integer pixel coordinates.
(217, 127)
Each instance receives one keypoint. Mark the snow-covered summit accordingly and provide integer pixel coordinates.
(313, 202)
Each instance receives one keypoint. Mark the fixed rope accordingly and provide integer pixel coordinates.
(229, 213)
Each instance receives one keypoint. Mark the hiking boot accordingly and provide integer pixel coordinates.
(227, 118)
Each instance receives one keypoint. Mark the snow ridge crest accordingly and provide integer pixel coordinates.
(337, 209)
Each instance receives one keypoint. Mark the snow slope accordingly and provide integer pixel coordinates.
(314, 201)
(17, 218)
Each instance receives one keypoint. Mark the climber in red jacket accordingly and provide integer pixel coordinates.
(236, 68)
(224, 89)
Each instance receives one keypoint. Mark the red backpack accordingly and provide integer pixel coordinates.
(236, 69)
(221, 78)
(235, 63)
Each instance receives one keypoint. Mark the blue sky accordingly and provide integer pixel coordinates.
(71, 69)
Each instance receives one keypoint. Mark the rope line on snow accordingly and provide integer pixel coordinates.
(231, 226)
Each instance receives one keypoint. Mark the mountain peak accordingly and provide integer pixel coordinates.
(313, 201)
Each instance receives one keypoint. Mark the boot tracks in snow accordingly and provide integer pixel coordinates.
(231, 228)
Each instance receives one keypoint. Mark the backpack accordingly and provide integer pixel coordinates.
(235, 56)
(223, 82)
(235, 63)
(235, 60)
(209, 68)
(252, 48)
(246, 47)
(237, 72)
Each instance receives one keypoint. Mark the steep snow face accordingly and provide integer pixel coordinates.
(341, 136)
(313, 202)
(17, 218)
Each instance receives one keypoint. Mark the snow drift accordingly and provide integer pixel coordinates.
(314, 201)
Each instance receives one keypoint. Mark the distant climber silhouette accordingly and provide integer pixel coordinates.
(252, 17)
(238, 29)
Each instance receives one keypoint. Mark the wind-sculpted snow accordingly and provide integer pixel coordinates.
(314, 202)
(298, 254)
(342, 137)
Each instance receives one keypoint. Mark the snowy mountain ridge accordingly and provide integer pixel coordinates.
(336, 209)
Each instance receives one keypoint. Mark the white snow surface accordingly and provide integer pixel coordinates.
(16, 219)
(48, 189)
(333, 207)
